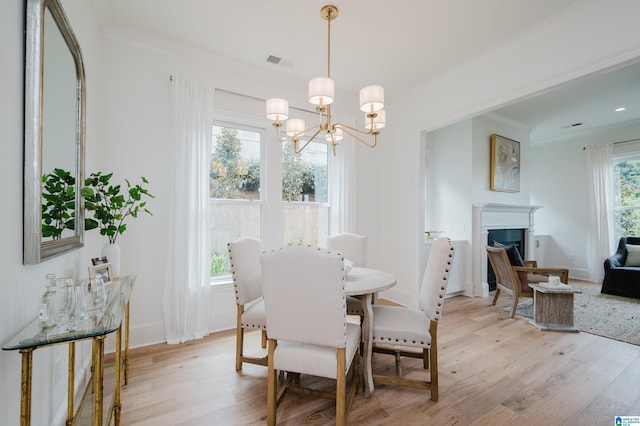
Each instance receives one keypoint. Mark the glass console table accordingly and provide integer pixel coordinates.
(34, 336)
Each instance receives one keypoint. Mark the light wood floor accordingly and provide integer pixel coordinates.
(494, 370)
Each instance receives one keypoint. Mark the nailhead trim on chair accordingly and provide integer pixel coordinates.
(391, 339)
(254, 326)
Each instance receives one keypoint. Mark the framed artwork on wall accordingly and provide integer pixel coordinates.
(505, 164)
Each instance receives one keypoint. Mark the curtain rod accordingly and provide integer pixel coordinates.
(253, 98)
(619, 142)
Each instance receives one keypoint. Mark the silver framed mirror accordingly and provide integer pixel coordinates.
(54, 134)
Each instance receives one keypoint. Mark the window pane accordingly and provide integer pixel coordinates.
(230, 221)
(234, 179)
(305, 176)
(235, 164)
(305, 183)
(305, 223)
(627, 197)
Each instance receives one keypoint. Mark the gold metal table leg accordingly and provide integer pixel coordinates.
(98, 370)
(25, 397)
(118, 361)
(70, 382)
(126, 345)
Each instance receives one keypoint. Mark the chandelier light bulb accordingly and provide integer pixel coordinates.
(277, 109)
(321, 91)
(371, 98)
(295, 127)
(334, 135)
(378, 121)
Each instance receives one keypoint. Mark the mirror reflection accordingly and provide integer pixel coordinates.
(58, 135)
(54, 134)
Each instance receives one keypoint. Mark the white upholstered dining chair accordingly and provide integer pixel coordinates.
(305, 307)
(397, 328)
(244, 258)
(354, 249)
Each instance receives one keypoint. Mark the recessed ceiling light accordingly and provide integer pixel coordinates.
(620, 109)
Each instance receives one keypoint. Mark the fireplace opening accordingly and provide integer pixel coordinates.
(508, 237)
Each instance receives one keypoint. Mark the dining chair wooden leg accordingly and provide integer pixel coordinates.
(239, 339)
(341, 389)
(398, 365)
(425, 358)
(271, 386)
(264, 339)
(433, 355)
(434, 376)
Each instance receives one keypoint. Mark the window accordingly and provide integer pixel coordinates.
(234, 185)
(305, 193)
(627, 195)
(290, 206)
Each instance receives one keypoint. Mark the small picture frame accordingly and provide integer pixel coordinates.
(505, 164)
(103, 271)
(99, 260)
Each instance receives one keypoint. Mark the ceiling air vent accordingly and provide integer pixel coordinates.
(273, 59)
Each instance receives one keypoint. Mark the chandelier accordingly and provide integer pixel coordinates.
(321, 91)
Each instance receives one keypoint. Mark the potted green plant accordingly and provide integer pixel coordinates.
(110, 208)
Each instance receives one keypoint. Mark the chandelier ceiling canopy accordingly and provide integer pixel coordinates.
(321, 95)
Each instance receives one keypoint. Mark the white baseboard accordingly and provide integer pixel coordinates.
(579, 274)
(82, 375)
(398, 296)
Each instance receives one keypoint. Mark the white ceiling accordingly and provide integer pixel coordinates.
(580, 106)
(395, 44)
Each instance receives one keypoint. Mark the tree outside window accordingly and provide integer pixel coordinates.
(233, 175)
(305, 175)
(305, 183)
(239, 200)
(234, 187)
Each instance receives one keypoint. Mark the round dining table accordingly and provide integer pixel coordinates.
(363, 283)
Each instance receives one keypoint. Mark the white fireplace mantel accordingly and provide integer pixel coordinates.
(489, 216)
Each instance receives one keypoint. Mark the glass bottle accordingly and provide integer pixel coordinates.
(47, 311)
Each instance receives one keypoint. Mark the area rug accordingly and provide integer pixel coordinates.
(613, 317)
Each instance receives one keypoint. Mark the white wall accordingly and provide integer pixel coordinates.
(561, 48)
(449, 167)
(558, 182)
(22, 285)
(457, 162)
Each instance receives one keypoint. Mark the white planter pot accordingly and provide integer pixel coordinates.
(112, 252)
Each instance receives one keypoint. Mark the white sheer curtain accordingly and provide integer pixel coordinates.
(342, 188)
(187, 279)
(600, 205)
